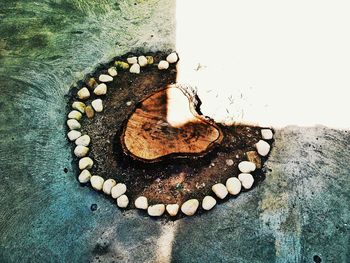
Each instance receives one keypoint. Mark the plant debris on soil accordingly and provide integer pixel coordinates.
(171, 180)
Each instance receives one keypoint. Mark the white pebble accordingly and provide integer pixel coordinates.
(105, 78)
(81, 151)
(132, 60)
(73, 124)
(123, 201)
(97, 182)
(73, 135)
(156, 210)
(190, 207)
(208, 202)
(229, 162)
(74, 114)
(220, 190)
(233, 185)
(163, 64)
(84, 176)
(266, 134)
(141, 202)
(78, 105)
(83, 93)
(112, 71)
(247, 180)
(172, 58)
(246, 167)
(263, 148)
(83, 140)
(172, 209)
(118, 190)
(142, 61)
(101, 89)
(135, 68)
(97, 105)
(85, 163)
(107, 186)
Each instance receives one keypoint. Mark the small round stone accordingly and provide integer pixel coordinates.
(172, 58)
(229, 162)
(247, 180)
(163, 64)
(190, 207)
(81, 151)
(156, 210)
(141, 202)
(105, 78)
(208, 202)
(118, 190)
(246, 167)
(135, 68)
(107, 186)
(220, 190)
(150, 60)
(172, 209)
(84, 176)
(74, 114)
(121, 65)
(78, 105)
(132, 60)
(97, 105)
(233, 185)
(266, 134)
(83, 140)
(122, 201)
(73, 135)
(142, 61)
(101, 89)
(97, 182)
(85, 163)
(73, 124)
(83, 93)
(91, 83)
(89, 111)
(112, 71)
(263, 148)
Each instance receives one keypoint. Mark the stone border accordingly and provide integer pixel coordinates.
(118, 191)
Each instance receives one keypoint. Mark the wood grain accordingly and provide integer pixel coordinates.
(149, 136)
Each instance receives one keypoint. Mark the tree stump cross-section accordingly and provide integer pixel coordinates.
(166, 124)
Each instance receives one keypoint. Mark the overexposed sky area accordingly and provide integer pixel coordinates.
(267, 62)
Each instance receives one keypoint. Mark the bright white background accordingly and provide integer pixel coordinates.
(282, 62)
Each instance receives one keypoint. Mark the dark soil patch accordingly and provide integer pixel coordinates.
(171, 180)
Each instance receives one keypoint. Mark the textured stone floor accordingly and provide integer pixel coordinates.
(300, 213)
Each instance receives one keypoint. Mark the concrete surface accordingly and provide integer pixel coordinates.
(300, 213)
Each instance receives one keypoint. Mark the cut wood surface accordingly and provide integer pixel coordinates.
(150, 134)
